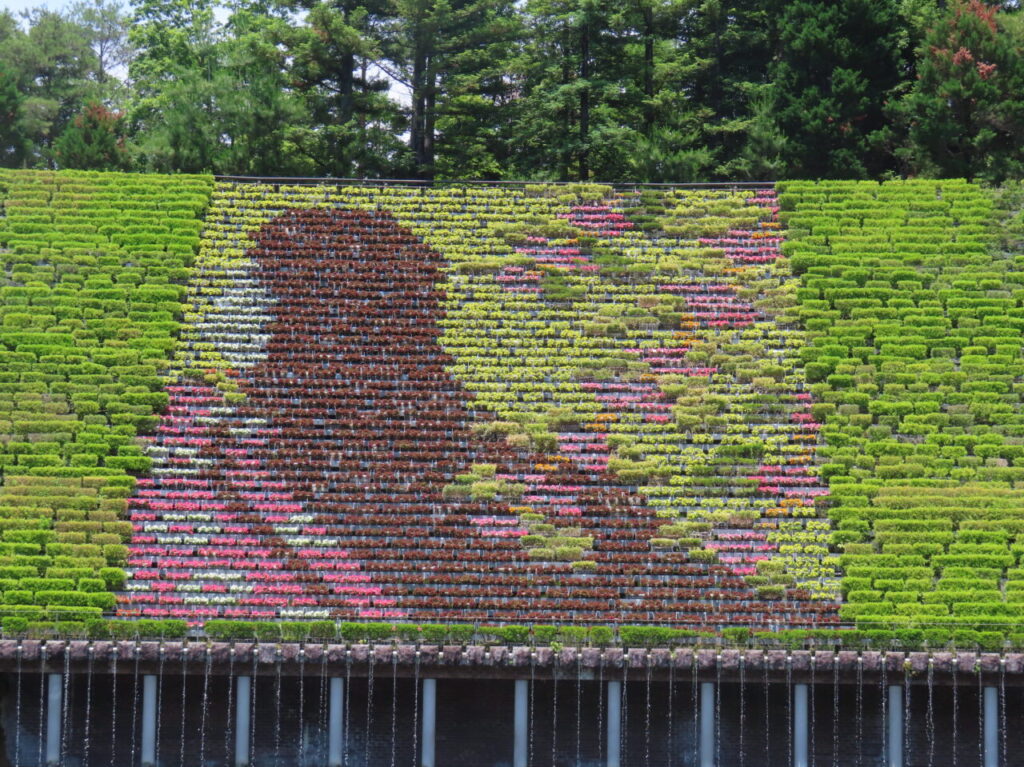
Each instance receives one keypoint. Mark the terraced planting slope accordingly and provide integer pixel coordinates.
(584, 422)
(93, 272)
(509, 406)
(916, 314)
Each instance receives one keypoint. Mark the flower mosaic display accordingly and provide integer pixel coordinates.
(508, 406)
(476, 443)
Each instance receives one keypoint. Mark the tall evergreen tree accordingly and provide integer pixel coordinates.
(449, 55)
(351, 128)
(54, 70)
(93, 141)
(837, 62)
(12, 142)
(965, 111)
(580, 93)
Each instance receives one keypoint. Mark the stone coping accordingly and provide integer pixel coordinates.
(503, 662)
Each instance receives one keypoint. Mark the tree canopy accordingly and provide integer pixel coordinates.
(644, 90)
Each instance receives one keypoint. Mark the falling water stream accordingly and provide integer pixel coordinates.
(743, 713)
(600, 709)
(88, 709)
(394, 706)
(416, 710)
(345, 738)
(789, 708)
(42, 698)
(205, 708)
(554, 718)
(159, 701)
(532, 685)
(17, 711)
(369, 712)
(860, 710)
(718, 709)
(321, 714)
(812, 730)
(981, 717)
(579, 703)
(647, 718)
(253, 697)
(277, 712)
(671, 706)
(883, 684)
(135, 705)
(835, 710)
(184, 706)
(624, 710)
(113, 704)
(695, 707)
(767, 711)
(956, 706)
(1002, 709)
(906, 713)
(930, 714)
(231, 700)
(302, 707)
(66, 712)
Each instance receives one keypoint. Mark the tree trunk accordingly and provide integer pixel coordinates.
(346, 78)
(649, 115)
(584, 169)
(418, 108)
(426, 170)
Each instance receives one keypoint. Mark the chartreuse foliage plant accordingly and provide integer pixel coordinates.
(914, 310)
(92, 271)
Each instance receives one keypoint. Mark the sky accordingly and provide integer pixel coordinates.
(17, 6)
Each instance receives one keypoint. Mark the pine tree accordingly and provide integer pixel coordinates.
(581, 96)
(351, 128)
(965, 111)
(451, 56)
(837, 62)
(93, 141)
(11, 140)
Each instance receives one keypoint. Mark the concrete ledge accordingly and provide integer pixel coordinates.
(502, 662)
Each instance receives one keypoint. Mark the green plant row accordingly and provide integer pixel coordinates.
(873, 636)
(915, 312)
(92, 267)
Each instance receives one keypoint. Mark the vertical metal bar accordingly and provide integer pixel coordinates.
(429, 722)
(895, 726)
(614, 723)
(336, 718)
(242, 709)
(149, 690)
(53, 718)
(991, 703)
(707, 724)
(800, 726)
(520, 744)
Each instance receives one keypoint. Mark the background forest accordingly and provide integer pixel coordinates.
(639, 90)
